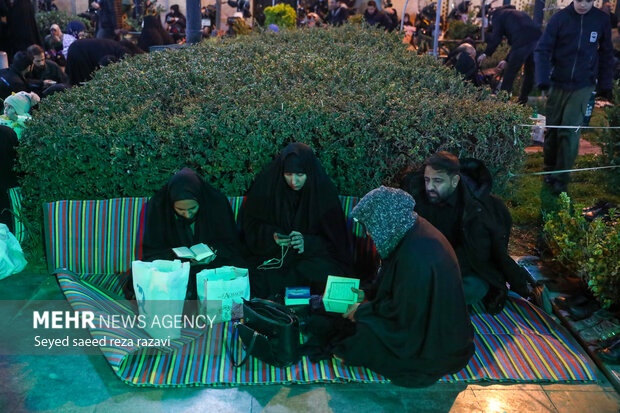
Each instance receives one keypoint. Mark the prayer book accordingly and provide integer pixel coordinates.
(197, 252)
(297, 296)
(338, 295)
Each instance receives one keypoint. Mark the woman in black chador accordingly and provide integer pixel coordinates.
(415, 329)
(153, 34)
(188, 211)
(293, 214)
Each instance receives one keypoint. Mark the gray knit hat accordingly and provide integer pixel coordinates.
(387, 213)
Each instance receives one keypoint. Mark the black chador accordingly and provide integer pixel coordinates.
(213, 224)
(415, 328)
(313, 209)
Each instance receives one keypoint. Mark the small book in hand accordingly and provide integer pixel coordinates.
(338, 294)
(197, 252)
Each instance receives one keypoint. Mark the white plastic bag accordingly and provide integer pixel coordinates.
(12, 258)
(221, 292)
(160, 288)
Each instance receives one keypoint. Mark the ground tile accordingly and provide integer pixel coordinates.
(293, 399)
(425, 402)
(585, 402)
(578, 387)
(376, 399)
(518, 401)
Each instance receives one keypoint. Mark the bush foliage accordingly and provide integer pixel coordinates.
(589, 250)
(282, 15)
(365, 104)
(611, 142)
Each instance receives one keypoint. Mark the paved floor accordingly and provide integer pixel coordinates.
(86, 383)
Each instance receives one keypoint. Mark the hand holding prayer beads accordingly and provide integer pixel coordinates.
(297, 241)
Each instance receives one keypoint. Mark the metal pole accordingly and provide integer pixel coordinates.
(483, 21)
(193, 30)
(402, 16)
(436, 33)
(539, 6)
(218, 15)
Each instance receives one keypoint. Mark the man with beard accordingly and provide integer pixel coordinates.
(455, 196)
(44, 73)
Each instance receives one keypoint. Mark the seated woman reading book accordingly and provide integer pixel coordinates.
(294, 226)
(187, 212)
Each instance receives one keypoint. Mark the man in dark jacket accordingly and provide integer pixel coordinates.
(44, 72)
(522, 35)
(456, 198)
(12, 79)
(338, 14)
(574, 51)
(375, 17)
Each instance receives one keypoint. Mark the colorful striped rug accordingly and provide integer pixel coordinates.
(520, 345)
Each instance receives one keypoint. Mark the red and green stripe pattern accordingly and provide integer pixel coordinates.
(519, 345)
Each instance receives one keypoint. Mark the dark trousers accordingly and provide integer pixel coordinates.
(564, 108)
(517, 58)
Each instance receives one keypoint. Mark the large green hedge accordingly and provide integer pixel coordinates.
(357, 96)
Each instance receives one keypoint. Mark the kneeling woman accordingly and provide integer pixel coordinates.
(293, 223)
(188, 211)
(416, 328)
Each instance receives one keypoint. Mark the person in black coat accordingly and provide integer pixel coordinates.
(522, 35)
(415, 328)
(574, 56)
(12, 79)
(176, 22)
(375, 17)
(8, 177)
(339, 14)
(153, 34)
(22, 27)
(188, 211)
(293, 223)
(87, 55)
(455, 196)
(44, 73)
(106, 18)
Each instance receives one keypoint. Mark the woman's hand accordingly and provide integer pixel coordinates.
(360, 295)
(280, 241)
(350, 314)
(297, 241)
(205, 261)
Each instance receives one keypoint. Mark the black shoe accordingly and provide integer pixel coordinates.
(611, 354)
(565, 302)
(558, 187)
(579, 312)
(548, 179)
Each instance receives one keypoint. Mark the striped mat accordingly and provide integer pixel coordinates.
(520, 345)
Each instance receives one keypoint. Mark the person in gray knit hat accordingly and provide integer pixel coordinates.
(416, 329)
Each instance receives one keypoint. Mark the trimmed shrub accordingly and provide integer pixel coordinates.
(589, 250)
(611, 142)
(365, 104)
(282, 15)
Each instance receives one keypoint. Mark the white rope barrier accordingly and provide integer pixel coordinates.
(510, 174)
(567, 127)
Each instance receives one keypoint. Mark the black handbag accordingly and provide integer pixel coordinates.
(270, 332)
